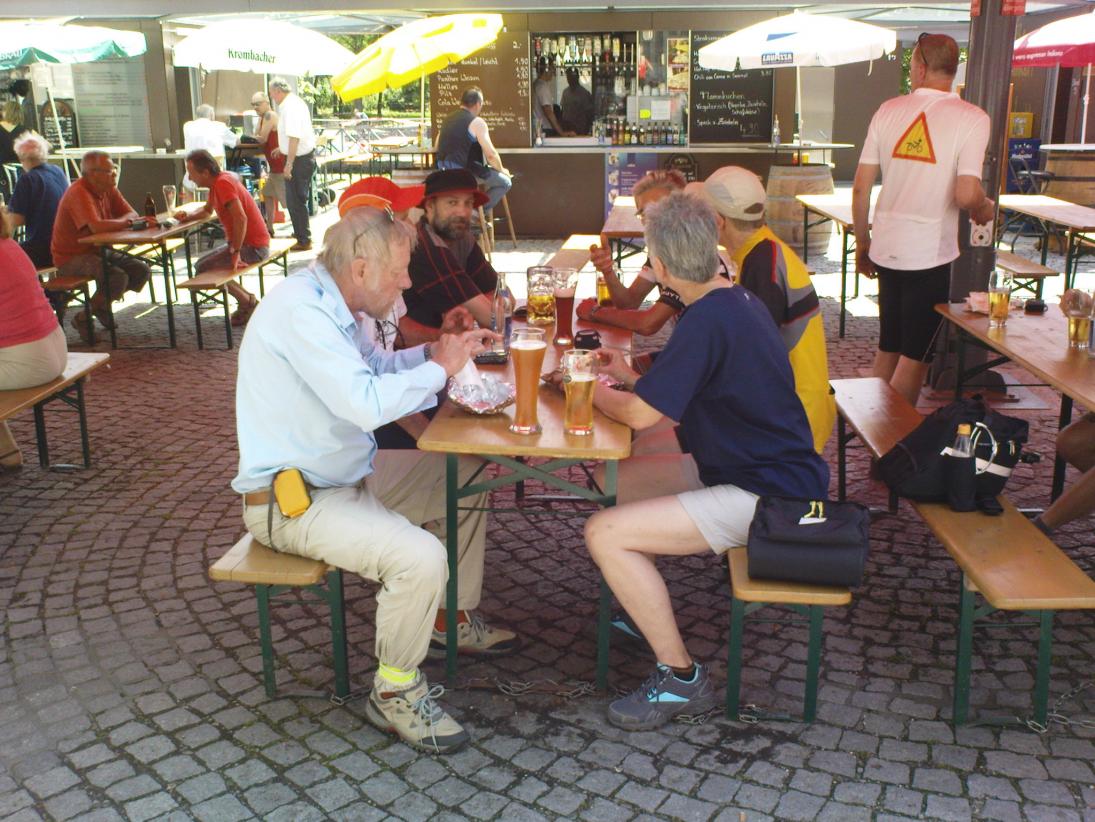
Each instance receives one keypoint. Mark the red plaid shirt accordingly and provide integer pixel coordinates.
(440, 281)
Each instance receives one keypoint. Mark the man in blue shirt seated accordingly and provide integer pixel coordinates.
(725, 377)
(311, 390)
(37, 193)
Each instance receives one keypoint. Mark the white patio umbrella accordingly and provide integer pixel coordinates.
(798, 40)
(23, 44)
(262, 47)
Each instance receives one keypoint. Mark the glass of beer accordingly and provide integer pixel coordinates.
(566, 282)
(169, 193)
(1079, 331)
(578, 382)
(527, 349)
(541, 295)
(999, 299)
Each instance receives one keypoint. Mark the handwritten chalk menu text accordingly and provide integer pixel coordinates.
(501, 71)
(728, 106)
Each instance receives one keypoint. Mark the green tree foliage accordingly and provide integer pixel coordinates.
(405, 101)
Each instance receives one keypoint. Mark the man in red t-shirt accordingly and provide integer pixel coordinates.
(93, 205)
(248, 239)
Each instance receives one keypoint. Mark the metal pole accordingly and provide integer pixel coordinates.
(1087, 96)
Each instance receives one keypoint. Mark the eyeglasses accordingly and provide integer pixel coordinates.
(920, 39)
(384, 328)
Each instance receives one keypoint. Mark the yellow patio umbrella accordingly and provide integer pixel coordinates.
(415, 50)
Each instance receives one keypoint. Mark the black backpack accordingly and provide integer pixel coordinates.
(914, 468)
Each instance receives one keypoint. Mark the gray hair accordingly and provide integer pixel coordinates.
(669, 179)
(205, 111)
(363, 232)
(32, 148)
(281, 84)
(681, 231)
(94, 154)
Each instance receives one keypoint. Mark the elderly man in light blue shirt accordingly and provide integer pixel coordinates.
(310, 391)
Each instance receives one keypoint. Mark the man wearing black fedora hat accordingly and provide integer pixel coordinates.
(447, 267)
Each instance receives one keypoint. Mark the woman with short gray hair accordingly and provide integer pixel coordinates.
(34, 203)
(725, 378)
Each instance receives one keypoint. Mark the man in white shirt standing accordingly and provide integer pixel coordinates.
(206, 133)
(297, 141)
(930, 146)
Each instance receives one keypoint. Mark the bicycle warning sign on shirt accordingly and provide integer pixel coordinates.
(916, 142)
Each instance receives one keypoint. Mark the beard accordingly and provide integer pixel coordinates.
(452, 229)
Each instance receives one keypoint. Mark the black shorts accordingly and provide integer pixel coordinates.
(907, 322)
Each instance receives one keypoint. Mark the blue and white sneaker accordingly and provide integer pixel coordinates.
(661, 697)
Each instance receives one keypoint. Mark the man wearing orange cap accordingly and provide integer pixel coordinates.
(447, 266)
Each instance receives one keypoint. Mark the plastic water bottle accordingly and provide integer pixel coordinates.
(960, 471)
(501, 320)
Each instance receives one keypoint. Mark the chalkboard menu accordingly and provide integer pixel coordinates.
(503, 72)
(728, 106)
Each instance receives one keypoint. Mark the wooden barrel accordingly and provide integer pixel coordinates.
(1073, 176)
(784, 213)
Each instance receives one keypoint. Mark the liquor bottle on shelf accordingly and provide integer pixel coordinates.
(775, 130)
(615, 49)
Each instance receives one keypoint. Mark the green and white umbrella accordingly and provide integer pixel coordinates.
(23, 44)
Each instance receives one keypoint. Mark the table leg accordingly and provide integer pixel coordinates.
(452, 546)
(1070, 264)
(166, 265)
(1063, 420)
(960, 373)
(604, 607)
(805, 232)
(843, 277)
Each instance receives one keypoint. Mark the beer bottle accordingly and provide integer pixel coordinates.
(960, 470)
(149, 206)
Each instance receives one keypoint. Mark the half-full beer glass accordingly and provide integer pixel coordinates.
(541, 295)
(527, 350)
(566, 282)
(999, 299)
(578, 382)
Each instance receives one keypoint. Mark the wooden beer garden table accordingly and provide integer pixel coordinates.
(454, 432)
(156, 237)
(621, 227)
(1075, 219)
(836, 207)
(1039, 343)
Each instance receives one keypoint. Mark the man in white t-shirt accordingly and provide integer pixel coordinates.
(930, 146)
(297, 141)
(208, 134)
(543, 103)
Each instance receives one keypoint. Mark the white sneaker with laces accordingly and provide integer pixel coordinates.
(414, 715)
(475, 637)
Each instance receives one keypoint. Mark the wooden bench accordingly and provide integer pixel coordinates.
(68, 389)
(749, 595)
(1026, 274)
(273, 573)
(211, 287)
(71, 287)
(1005, 558)
(574, 253)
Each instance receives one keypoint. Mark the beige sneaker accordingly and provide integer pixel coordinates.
(414, 715)
(475, 637)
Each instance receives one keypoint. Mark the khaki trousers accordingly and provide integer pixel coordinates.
(372, 529)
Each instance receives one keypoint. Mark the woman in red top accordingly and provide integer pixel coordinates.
(32, 345)
(273, 190)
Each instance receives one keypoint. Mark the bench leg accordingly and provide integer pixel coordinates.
(843, 279)
(227, 317)
(1045, 657)
(733, 661)
(197, 318)
(85, 442)
(338, 633)
(813, 663)
(963, 654)
(40, 435)
(262, 597)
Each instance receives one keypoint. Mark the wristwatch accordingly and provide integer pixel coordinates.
(427, 352)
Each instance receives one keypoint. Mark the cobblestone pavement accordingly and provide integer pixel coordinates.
(130, 685)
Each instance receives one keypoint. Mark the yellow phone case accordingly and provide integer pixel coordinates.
(291, 493)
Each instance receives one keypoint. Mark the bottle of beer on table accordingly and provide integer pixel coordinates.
(149, 206)
(502, 310)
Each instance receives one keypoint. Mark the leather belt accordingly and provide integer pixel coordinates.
(257, 498)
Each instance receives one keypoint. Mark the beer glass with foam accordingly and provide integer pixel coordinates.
(541, 295)
(999, 299)
(578, 382)
(527, 349)
(566, 282)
